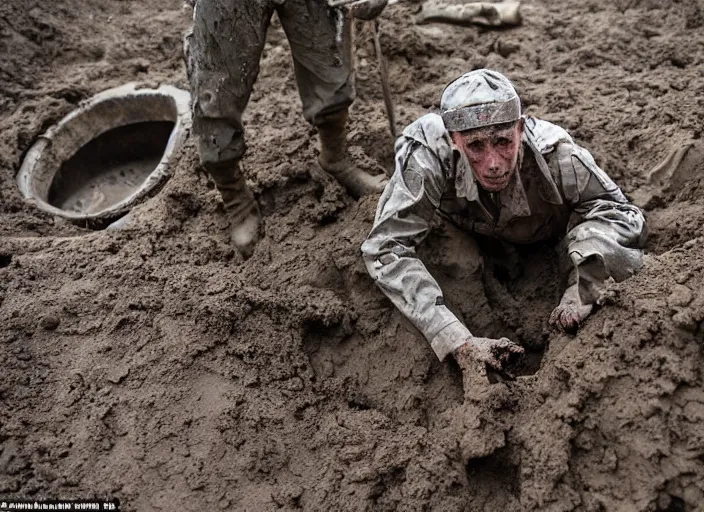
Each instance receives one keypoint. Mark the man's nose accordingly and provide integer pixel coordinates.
(493, 161)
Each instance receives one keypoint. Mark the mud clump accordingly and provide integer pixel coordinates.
(154, 365)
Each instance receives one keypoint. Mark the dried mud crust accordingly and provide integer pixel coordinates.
(154, 365)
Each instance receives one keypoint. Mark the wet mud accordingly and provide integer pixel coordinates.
(155, 365)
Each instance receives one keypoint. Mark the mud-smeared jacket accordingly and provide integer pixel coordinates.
(558, 189)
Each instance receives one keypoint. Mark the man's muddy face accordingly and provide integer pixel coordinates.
(492, 153)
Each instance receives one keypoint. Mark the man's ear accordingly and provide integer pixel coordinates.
(521, 125)
(456, 138)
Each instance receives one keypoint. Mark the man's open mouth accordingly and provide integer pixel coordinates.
(498, 178)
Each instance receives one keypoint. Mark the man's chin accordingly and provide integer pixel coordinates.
(494, 186)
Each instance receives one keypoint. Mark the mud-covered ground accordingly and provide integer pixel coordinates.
(152, 364)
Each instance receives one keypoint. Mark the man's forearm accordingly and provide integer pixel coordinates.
(606, 243)
(449, 339)
(411, 288)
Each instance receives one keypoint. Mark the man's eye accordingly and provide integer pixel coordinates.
(503, 142)
(475, 146)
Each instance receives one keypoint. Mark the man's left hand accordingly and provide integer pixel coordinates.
(571, 312)
(369, 9)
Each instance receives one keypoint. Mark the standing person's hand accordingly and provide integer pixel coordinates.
(482, 355)
(368, 10)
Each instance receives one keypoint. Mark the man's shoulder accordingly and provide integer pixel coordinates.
(428, 130)
(578, 173)
(544, 135)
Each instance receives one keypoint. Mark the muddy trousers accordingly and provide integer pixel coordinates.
(222, 55)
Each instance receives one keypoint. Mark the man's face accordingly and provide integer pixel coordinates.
(492, 152)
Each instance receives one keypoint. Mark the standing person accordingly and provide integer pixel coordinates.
(485, 168)
(222, 57)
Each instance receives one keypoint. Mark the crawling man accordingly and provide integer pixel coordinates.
(485, 168)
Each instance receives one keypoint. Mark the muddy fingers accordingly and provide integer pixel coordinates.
(571, 312)
(486, 359)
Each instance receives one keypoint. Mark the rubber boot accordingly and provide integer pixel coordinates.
(334, 158)
(241, 208)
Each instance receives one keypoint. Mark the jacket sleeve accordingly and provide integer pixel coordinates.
(402, 221)
(607, 233)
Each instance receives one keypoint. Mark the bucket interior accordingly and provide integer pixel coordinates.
(109, 168)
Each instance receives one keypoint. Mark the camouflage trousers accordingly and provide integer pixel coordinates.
(222, 56)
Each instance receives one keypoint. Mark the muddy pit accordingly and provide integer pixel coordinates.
(154, 365)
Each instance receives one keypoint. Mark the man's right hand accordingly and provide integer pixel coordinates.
(480, 355)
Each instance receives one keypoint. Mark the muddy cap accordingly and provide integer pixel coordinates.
(479, 98)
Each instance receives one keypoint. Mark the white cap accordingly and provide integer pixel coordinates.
(479, 98)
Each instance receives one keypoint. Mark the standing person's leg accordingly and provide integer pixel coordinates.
(223, 55)
(323, 68)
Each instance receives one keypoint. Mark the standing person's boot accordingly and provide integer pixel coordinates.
(241, 208)
(334, 158)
